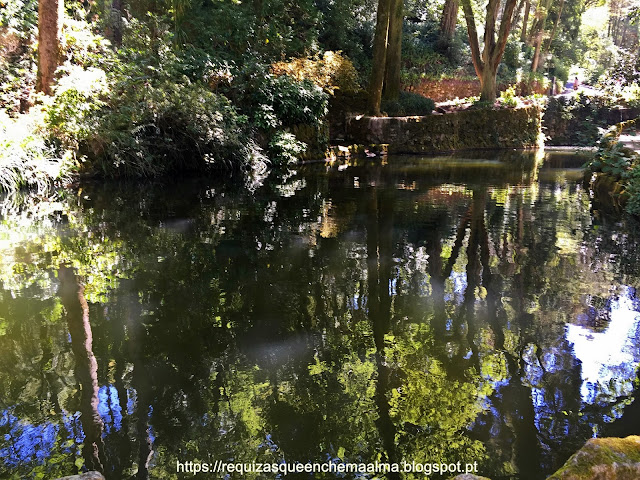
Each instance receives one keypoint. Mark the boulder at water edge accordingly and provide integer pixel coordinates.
(603, 459)
(468, 476)
(85, 476)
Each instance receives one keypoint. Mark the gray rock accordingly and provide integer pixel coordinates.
(85, 476)
(603, 459)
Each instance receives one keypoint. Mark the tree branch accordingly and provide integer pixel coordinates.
(505, 27)
(472, 31)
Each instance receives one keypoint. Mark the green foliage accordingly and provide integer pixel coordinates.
(18, 22)
(513, 61)
(578, 120)
(633, 190)
(426, 55)
(599, 56)
(408, 103)
(19, 17)
(508, 97)
(76, 96)
(626, 70)
(620, 163)
(285, 149)
(26, 158)
(167, 127)
(347, 26)
(612, 158)
(330, 71)
(283, 101)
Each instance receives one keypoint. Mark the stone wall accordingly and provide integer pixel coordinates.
(465, 130)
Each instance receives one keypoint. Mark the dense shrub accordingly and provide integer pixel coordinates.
(331, 72)
(620, 163)
(578, 120)
(408, 104)
(426, 55)
(26, 158)
(285, 149)
(167, 127)
(282, 101)
(145, 118)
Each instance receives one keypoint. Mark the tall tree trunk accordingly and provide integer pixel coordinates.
(394, 52)
(554, 31)
(379, 56)
(536, 54)
(488, 84)
(486, 65)
(525, 21)
(537, 31)
(449, 19)
(516, 16)
(50, 15)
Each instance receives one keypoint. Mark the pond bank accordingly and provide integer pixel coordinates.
(493, 129)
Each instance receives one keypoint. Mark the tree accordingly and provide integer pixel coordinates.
(379, 56)
(50, 14)
(394, 52)
(449, 19)
(525, 21)
(537, 31)
(486, 64)
(387, 45)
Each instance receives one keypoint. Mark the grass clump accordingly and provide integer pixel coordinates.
(26, 158)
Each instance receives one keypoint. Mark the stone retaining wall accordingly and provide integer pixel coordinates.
(465, 130)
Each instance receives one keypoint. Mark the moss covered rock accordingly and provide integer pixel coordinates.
(609, 193)
(603, 459)
(468, 476)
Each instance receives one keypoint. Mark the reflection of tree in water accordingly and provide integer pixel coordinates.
(401, 320)
(77, 312)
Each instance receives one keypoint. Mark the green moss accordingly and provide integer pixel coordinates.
(470, 129)
(603, 458)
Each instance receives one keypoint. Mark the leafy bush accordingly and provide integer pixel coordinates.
(427, 55)
(508, 97)
(621, 163)
(577, 120)
(512, 62)
(330, 71)
(633, 191)
(18, 21)
(147, 119)
(284, 101)
(76, 96)
(408, 103)
(26, 159)
(285, 148)
(167, 127)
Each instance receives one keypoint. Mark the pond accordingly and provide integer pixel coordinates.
(431, 310)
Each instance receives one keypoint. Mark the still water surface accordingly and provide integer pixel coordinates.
(423, 310)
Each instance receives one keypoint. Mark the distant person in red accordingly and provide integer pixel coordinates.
(576, 83)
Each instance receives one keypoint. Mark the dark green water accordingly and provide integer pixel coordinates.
(422, 310)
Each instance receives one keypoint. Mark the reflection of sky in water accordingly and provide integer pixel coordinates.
(610, 358)
(459, 280)
(109, 408)
(30, 443)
